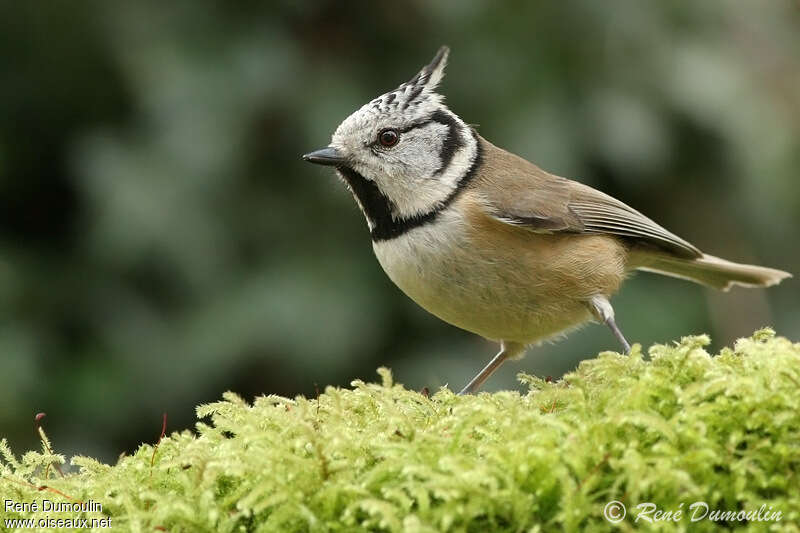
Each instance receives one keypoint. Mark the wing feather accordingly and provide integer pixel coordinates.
(601, 213)
(521, 194)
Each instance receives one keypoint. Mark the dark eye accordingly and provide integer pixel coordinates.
(388, 138)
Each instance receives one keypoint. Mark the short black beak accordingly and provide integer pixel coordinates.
(327, 156)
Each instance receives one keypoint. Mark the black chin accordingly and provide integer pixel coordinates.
(376, 206)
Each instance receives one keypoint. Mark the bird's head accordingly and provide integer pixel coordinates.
(404, 153)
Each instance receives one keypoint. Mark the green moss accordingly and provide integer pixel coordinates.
(678, 428)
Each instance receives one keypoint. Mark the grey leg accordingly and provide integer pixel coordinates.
(602, 310)
(507, 349)
(618, 334)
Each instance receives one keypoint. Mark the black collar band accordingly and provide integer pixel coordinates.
(378, 208)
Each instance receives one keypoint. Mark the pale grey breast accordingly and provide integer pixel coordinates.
(448, 273)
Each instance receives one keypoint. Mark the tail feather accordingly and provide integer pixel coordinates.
(713, 271)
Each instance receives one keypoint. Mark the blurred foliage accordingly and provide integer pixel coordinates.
(681, 428)
(161, 240)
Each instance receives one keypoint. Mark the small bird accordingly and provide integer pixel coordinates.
(489, 242)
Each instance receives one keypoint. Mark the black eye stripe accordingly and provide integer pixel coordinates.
(453, 139)
(438, 116)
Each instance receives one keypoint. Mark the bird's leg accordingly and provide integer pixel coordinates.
(602, 310)
(507, 349)
(618, 334)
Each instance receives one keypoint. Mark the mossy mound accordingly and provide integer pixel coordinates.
(679, 428)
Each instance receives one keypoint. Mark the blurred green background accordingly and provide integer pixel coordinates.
(161, 241)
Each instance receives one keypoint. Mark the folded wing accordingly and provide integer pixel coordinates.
(545, 203)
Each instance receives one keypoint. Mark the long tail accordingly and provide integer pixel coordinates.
(713, 271)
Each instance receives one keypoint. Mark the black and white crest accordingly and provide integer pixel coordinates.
(407, 184)
(416, 90)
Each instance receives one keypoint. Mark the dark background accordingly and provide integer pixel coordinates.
(161, 240)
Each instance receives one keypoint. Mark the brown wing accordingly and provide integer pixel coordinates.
(520, 193)
(601, 213)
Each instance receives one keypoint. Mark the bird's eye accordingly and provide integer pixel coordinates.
(388, 138)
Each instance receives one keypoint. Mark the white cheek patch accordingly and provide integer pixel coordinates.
(415, 179)
(417, 153)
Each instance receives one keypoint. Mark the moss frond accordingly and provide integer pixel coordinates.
(678, 427)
